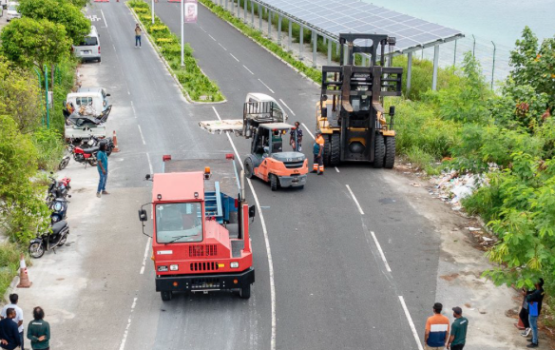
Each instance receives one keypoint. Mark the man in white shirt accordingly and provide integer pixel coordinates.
(18, 319)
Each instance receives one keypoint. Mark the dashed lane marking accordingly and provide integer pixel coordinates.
(145, 256)
(381, 251)
(250, 71)
(308, 131)
(142, 137)
(236, 59)
(272, 91)
(355, 199)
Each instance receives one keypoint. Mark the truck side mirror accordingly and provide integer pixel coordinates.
(252, 211)
(143, 215)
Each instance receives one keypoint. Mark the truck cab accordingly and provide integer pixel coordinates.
(200, 240)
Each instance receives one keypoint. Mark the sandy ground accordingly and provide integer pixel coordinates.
(460, 267)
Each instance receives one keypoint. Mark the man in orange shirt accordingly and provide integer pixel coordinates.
(318, 165)
(437, 330)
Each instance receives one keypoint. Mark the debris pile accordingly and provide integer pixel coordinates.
(452, 187)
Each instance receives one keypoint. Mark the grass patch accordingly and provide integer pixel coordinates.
(197, 85)
(9, 264)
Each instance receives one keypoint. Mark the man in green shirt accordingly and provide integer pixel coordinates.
(458, 330)
(38, 331)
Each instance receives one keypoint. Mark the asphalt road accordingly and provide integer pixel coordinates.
(347, 251)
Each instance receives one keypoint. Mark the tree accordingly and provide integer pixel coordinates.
(21, 199)
(58, 11)
(19, 96)
(534, 64)
(28, 42)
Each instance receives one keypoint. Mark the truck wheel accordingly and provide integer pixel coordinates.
(249, 168)
(166, 296)
(379, 151)
(389, 160)
(273, 182)
(245, 293)
(335, 155)
(327, 150)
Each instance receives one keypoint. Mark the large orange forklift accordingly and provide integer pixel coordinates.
(200, 239)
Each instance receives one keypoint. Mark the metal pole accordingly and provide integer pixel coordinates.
(409, 72)
(252, 14)
(455, 55)
(279, 29)
(290, 35)
(226, 5)
(182, 34)
(301, 39)
(259, 17)
(39, 76)
(46, 96)
(245, 10)
(329, 52)
(436, 62)
(493, 65)
(152, 11)
(337, 48)
(270, 24)
(314, 46)
(238, 9)
(473, 45)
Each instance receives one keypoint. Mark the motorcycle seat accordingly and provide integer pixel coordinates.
(91, 150)
(59, 226)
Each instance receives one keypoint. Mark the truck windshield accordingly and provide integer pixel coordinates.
(178, 222)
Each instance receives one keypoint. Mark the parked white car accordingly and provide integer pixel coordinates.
(12, 12)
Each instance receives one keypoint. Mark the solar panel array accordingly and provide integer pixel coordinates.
(353, 16)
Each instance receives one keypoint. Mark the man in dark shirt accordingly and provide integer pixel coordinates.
(458, 330)
(535, 300)
(9, 334)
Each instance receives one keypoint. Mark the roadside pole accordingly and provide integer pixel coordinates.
(152, 11)
(182, 34)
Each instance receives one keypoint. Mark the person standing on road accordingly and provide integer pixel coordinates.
(458, 330)
(9, 334)
(102, 164)
(296, 134)
(138, 32)
(38, 331)
(535, 300)
(437, 330)
(18, 319)
(318, 165)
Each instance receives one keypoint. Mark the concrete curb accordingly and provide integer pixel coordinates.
(262, 46)
(188, 98)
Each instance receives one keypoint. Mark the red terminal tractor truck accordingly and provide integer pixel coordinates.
(200, 240)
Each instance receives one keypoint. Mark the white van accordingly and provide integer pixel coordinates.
(12, 13)
(89, 49)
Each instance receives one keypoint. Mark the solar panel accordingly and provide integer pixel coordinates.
(332, 17)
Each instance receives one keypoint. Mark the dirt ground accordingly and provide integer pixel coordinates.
(491, 310)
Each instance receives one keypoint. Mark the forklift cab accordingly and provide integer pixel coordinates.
(268, 139)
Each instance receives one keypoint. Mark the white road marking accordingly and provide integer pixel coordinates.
(381, 251)
(236, 59)
(128, 92)
(133, 108)
(122, 345)
(250, 71)
(114, 46)
(145, 256)
(222, 46)
(308, 131)
(149, 163)
(272, 91)
(290, 110)
(355, 199)
(104, 18)
(141, 132)
(337, 169)
(411, 324)
(212, 37)
(266, 242)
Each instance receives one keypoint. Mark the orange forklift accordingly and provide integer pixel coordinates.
(200, 239)
(264, 121)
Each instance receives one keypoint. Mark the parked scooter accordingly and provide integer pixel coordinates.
(51, 240)
(59, 209)
(59, 189)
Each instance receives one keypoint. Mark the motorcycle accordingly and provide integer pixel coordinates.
(94, 141)
(59, 189)
(48, 241)
(84, 155)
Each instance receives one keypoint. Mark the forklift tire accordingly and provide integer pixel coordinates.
(166, 295)
(327, 150)
(379, 151)
(389, 160)
(245, 293)
(335, 156)
(274, 182)
(249, 168)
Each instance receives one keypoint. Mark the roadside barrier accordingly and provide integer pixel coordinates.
(24, 281)
(115, 139)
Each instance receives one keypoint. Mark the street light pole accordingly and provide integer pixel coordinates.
(182, 34)
(152, 11)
